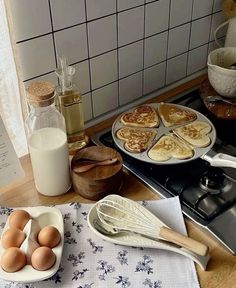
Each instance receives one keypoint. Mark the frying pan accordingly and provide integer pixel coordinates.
(205, 153)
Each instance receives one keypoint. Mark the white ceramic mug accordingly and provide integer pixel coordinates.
(222, 79)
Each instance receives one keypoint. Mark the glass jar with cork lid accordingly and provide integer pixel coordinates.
(47, 141)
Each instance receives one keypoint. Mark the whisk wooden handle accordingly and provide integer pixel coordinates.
(183, 241)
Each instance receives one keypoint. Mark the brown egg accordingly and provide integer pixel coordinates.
(18, 219)
(49, 236)
(43, 258)
(13, 259)
(12, 237)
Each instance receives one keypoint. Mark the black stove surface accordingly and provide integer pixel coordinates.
(205, 192)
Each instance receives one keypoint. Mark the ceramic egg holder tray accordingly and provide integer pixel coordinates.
(40, 217)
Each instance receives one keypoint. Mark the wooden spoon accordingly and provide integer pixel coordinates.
(87, 165)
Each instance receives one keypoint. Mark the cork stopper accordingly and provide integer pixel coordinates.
(40, 94)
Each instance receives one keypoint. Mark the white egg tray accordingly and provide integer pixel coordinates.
(44, 216)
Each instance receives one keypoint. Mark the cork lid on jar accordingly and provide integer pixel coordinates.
(40, 93)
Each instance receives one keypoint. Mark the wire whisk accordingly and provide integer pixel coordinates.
(122, 214)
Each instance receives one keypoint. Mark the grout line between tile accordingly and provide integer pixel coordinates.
(89, 66)
(53, 38)
(144, 46)
(189, 40)
(117, 53)
(167, 46)
(32, 78)
(209, 38)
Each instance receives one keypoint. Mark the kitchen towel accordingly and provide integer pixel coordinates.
(90, 262)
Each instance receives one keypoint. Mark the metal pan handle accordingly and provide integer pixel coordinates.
(220, 160)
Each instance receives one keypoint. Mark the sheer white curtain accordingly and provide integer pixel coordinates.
(10, 104)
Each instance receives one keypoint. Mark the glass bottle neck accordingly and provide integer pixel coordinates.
(67, 90)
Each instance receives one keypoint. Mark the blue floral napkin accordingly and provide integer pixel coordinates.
(90, 262)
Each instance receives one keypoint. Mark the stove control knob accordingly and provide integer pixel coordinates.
(213, 180)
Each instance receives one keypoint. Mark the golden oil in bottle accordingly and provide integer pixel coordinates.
(69, 103)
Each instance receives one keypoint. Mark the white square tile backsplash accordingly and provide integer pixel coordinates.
(178, 40)
(130, 88)
(105, 99)
(130, 25)
(81, 77)
(51, 77)
(202, 8)
(154, 77)
(200, 32)
(37, 56)
(99, 8)
(31, 18)
(122, 49)
(197, 59)
(103, 69)
(131, 59)
(67, 13)
(180, 12)
(125, 4)
(217, 5)
(72, 43)
(102, 35)
(176, 68)
(155, 49)
(156, 17)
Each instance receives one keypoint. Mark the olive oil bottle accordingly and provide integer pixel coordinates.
(69, 103)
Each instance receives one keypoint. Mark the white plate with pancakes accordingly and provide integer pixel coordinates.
(161, 130)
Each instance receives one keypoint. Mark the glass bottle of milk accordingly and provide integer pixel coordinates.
(47, 141)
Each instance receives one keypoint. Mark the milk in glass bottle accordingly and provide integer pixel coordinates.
(47, 141)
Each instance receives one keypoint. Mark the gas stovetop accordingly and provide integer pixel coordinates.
(207, 194)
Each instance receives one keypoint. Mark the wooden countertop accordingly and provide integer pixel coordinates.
(221, 269)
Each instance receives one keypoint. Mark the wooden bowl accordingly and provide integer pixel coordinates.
(221, 110)
(99, 181)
